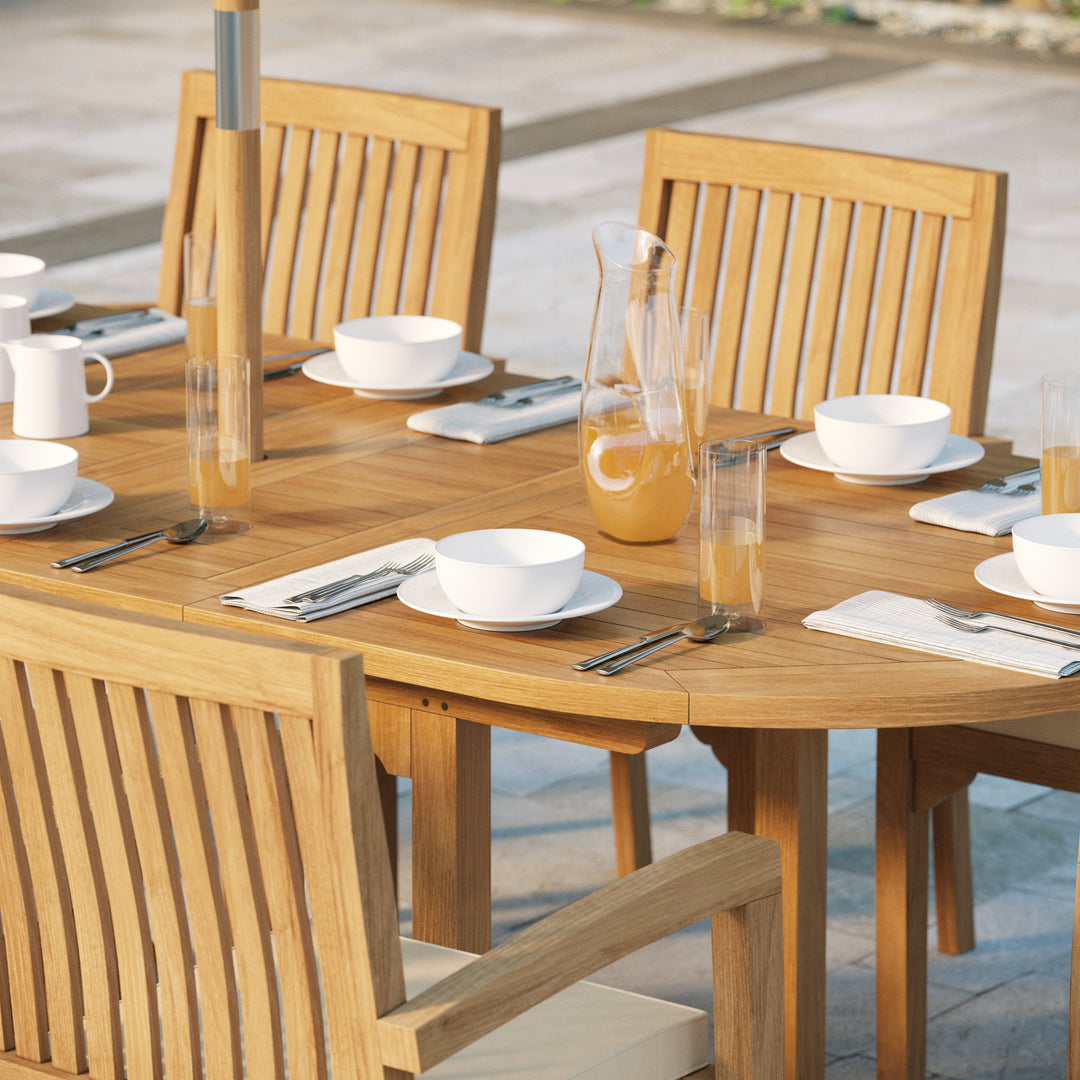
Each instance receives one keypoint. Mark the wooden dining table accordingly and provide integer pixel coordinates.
(343, 474)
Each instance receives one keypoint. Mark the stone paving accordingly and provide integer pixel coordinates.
(87, 148)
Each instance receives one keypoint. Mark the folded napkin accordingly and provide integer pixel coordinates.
(978, 511)
(269, 596)
(474, 421)
(890, 619)
(170, 330)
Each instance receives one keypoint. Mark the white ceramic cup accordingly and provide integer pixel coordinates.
(50, 386)
(21, 275)
(14, 324)
(36, 478)
(1047, 550)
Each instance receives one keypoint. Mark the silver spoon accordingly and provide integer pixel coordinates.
(180, 533)
(712, 626)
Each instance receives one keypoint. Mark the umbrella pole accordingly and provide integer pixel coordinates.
(239, 251)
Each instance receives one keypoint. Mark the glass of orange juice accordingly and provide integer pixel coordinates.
(1061, 443)
(200, 293)
(696, 372)
(219, 451)
(731, 575)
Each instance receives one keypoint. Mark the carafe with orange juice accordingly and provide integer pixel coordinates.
(1061, 443)
(634, 443)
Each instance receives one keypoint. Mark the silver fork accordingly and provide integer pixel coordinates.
(999, 483)
(334, 588)
(959, 613)
(977, 628)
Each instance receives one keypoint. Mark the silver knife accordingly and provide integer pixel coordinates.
(85, 325)
(116, 327)
(647, 639)
(541, 395)
(506, 397)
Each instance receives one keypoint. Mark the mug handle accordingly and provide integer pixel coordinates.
(91, 398)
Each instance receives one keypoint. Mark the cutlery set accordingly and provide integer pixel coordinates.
(107, 324)
(182, 532)
(1002, 485)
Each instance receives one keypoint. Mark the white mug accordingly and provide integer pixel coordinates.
(14, 323)
(50, 386)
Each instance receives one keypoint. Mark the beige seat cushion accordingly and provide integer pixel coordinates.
(586, 1031)
(1061, 729)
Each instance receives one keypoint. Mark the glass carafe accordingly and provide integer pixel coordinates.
(634, 446)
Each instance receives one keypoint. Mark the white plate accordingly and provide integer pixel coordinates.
(88, 498)
(594, 593)
(805, 450)
(51, 302)
(1001, 575)
(469, 367)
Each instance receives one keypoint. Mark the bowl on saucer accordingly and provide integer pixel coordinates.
(1047, 550)
(397, 350)
(880, 434)
(36, 477)
(21, 275)
(509, 572)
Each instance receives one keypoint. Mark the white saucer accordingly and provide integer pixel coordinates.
(805, 450)
(594, 593)
(51, 302)
(469, 367)
(1000, 575)
(88, 498)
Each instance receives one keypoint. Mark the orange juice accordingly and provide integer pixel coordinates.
(696, 410)
(1061, 480)
(218, 480)
(732, 566)
(640, 490)
(202, 327)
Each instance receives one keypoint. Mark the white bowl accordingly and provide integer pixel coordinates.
(21, 275)
(397, 350)
(36, 478)
(1047, 553)
(509, 572)
(882, 433)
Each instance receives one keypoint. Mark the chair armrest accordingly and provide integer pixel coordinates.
(726, 872)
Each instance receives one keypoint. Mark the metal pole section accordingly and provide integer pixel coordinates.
(239, 253)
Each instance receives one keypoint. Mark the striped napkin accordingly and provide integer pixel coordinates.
(978, 511)
(269, 597)
(890, 619)
(479, 422)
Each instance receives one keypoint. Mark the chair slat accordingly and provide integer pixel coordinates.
(765, 302)
(245, 897)
(396, 242)
(682, 210)
(281, 268)
(856, 328)
(51, 896)
(25, 1014)
(915, 351)
(316, 221)
(369, 238)
(84, 872)
(202, 215)
(830, 284)
(890, 302)
(340, 248)
(127, 898)
(181, 761)
(425, 229)
(154, 840)
(270, 166)
(268, 791)
(736, 289)
(714, 210)
(800, 276)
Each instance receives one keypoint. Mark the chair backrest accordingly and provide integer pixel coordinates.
(175, 801)
(831, 272)
(372, 204)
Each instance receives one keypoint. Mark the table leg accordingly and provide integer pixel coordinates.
(901, 883)
(451, 831)
(630, 812)
(777, 785)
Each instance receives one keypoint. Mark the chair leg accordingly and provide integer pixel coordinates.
(630, 812)
(952, 874)
(901, 883)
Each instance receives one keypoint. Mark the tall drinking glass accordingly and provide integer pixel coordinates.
(1061, 443)
(219, 449)
(200, 293)
(697, 372)
(731, 479)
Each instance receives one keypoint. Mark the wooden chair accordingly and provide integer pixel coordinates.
(828, 272)
(918, 770)
(372, 204)
(173, 793)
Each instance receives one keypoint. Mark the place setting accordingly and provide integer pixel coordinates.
(397, 358)
(882, 440)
